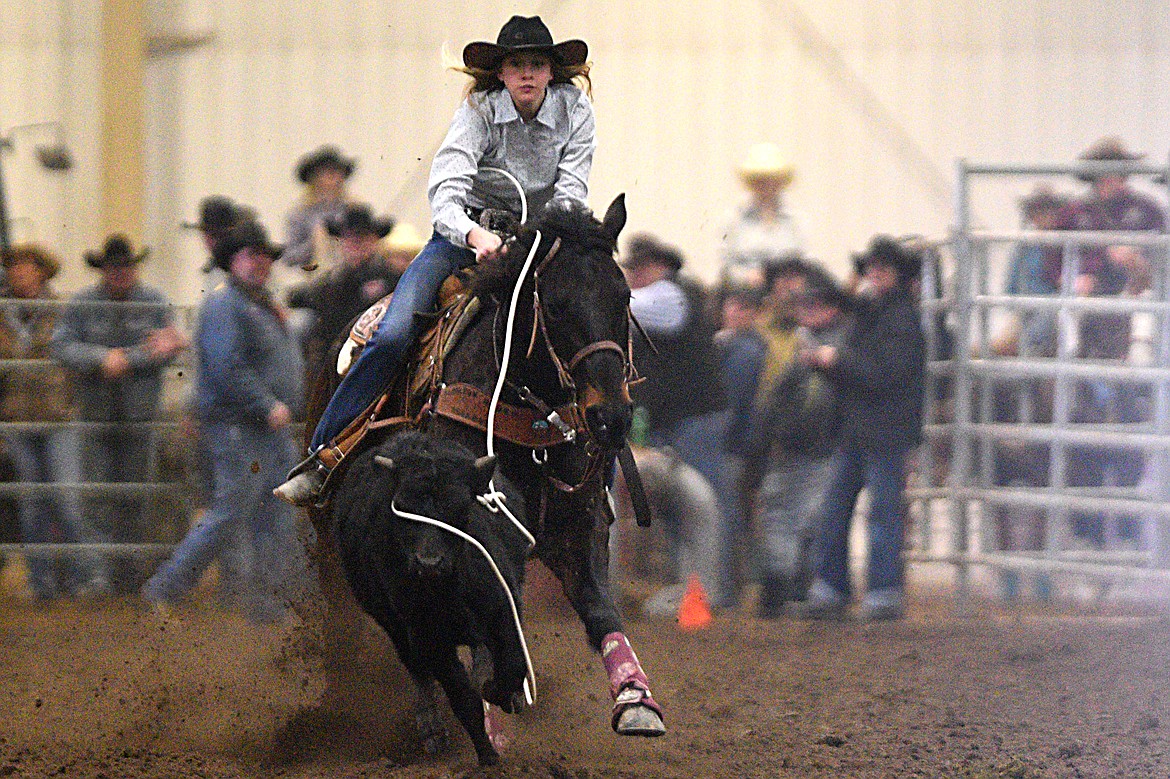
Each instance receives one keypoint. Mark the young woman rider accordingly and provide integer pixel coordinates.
(524, 114)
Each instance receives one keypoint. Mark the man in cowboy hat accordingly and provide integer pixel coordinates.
(115, 338)
(43, 453)
(324, 173)
(362, 278)
(248, 389)
(1113, 270)
(1112, 204)
(681, 391)
(216, 215)
(764, 231)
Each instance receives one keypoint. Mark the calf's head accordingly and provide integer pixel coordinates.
(436, 479)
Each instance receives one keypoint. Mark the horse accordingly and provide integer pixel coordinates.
(562, 418)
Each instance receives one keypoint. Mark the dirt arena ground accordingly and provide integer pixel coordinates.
(108, 690)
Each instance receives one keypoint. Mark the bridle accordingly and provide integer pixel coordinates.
(565, 369)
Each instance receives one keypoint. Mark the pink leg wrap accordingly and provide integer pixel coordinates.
(628, 684)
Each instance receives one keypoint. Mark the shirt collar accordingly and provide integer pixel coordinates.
(504, 109)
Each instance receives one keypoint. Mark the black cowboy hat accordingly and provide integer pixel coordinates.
(117, 253)
(887, 250)
(216, 214)
(645, 249)
(821, 287)
(1107, 149)
(359, 219)
(324, 157)
(245, 234)
(523, 33)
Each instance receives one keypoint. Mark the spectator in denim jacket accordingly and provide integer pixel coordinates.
(40, 394)
(250, 386)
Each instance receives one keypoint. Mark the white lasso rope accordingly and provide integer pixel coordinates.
(494, 499)
(530, 678)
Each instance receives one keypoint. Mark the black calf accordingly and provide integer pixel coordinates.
(430, 590)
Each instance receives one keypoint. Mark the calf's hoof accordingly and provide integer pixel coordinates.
(432, 730)
(639, 720)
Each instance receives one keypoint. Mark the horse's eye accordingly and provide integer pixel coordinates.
(556, 309)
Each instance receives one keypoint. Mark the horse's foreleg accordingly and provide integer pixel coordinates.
(635, 712)
(581, 561)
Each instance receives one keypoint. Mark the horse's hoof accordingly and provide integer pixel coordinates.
(640, 720)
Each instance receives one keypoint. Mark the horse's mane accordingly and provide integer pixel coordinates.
(574, 225)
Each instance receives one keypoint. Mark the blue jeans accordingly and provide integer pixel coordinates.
(883, 473)
(53, 457)
(119, 456)
(417, 290)
(791, 495)
(249, 461)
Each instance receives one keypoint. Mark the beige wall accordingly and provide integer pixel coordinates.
(873, 100)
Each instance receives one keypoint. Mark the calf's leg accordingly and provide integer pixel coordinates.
(465, 702)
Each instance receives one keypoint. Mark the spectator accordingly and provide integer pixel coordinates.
(681, 370)
(362, 278)
(764, 231)
(250, 385)
(116, 337)
(49, 454)
(1111, 204)
(789, 453)
(1035, 270)
(878, 374)
(324, 173)
(741, 350)
(681, 392)
(216, 216)
(782, 282)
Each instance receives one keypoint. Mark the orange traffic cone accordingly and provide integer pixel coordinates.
(694, 613)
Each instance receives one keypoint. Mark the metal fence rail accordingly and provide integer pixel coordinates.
(969, 388)
(165, 500)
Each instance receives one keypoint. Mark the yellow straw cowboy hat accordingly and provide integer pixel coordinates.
(765, 161)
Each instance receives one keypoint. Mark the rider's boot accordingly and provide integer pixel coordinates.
(305, 482)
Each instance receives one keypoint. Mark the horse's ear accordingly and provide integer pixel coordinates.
(615, 217)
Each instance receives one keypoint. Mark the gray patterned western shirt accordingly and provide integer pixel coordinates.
(550, 156)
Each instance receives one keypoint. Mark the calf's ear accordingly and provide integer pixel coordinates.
(484, 468)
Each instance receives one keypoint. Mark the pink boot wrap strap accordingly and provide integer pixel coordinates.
(628, 684)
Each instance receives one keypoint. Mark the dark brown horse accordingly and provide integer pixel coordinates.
(566, 406)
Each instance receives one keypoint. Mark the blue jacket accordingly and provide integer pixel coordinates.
(248, 360)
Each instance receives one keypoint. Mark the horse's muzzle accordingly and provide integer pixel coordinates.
(609, 424)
